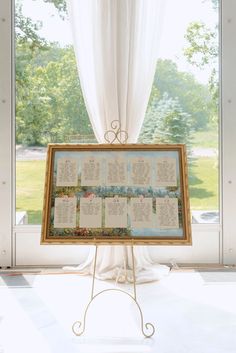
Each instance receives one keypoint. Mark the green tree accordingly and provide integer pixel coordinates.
(28, 43)
(60, 5)
(53, 104)
(203, 51)
(194, 97)
(26, 30)
(166, 122)
(49, 101)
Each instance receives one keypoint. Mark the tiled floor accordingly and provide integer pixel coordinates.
(193, 312)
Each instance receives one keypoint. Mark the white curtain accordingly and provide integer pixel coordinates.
(116, 46)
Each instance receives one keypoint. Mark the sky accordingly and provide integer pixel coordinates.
(178, 14)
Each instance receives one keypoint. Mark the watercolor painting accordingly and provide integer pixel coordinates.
(116, 193)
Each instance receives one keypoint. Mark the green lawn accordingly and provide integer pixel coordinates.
(203, 184)
(205, 139)
(29, 188)
(203, 181)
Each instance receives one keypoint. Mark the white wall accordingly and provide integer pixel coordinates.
(229, 130)
(5, 133)
(205, 249)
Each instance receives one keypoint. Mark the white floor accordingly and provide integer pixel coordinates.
(193, 312)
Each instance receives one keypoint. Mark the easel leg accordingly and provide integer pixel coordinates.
(94, 271)
(148, 325)
(76, 327)
(134, 276)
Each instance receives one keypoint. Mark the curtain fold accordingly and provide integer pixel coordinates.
(116, 47)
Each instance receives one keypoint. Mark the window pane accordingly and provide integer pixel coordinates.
(183, 107)
(49, 102)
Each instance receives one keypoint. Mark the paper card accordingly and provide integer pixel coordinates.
(141, 215)
(90, 212)
(116, 212)
(140, 173)
(91, 171)
(167, 213)
(116, 172)
(65, 212)
(165, 170)
(67, 172)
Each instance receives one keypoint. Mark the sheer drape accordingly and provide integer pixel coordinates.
(116, 46)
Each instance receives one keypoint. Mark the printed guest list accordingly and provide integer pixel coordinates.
(141, 212)
(166, 172)
(67, 172)
(90, 212)
(116, 172)
(167, 212)
(116, 212)
(91, 171)
(65, 212)
(140, 174)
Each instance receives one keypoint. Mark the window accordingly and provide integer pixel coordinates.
(49, 102)
(183, 106)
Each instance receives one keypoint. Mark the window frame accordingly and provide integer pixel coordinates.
(211, 242)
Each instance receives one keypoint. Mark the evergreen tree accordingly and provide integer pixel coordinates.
(166, 122)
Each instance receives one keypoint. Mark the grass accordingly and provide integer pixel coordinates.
(205, 139)
(29, 189)
(203, 184)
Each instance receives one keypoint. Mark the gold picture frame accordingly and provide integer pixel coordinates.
(116, 194)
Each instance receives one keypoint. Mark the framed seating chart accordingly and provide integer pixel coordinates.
(120, 194)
